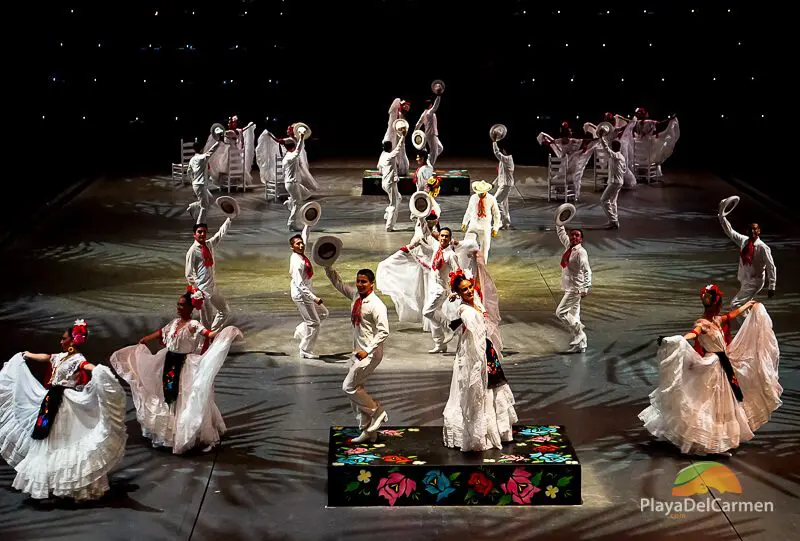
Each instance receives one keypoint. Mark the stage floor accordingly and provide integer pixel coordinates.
(115, 254)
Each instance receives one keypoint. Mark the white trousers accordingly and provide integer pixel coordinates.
(609, 202)
(393, 210)
(501, 195)
(402, 163)
(308, 330)
(569, 312)
(434, 312)
(203, 202)
(295, 200)
(483, 234)
(747, 291)
(363, 405)
(214, 301)
(435, 148)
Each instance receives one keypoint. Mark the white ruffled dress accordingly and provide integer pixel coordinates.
(87, 438)
(194, 417)
(476, 418)
(694, 406)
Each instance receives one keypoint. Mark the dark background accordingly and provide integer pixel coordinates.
(338, 65)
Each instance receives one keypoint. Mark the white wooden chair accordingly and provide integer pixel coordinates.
(558, 187)
(180, 171)
(275, 188)
(600, 168)
(645, 170)
(235, 176)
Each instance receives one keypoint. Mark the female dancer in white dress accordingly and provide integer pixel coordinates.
(479, 414)
(173, 390)
(711, 403)
(397, 110)
(62, 438)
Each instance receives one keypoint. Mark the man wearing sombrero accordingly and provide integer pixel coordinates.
(482, 218)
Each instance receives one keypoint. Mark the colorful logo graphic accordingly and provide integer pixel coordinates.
(699, 477)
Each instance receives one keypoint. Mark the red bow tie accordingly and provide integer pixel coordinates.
(208, 259)
(438, 260)
(748, 252)
(308, 268)
(565, 258)
(481, 207)
(355, 315)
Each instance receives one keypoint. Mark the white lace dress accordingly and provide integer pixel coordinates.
(476, 418)
(87, 437)
(193, 418)
(694, 406)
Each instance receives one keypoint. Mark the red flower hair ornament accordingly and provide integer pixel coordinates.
(454, 275)
(715, 292)
(196, 295)
(79, 332)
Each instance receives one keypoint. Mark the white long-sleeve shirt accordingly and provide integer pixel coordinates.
(197, 274)
(492, 218)
(428, 119)
(617, 165)
(373, 329)
(301, 284)
(387, 164)
(762, 258)
(198, 166)
(451, 264)
(291, 163)
(424, 172)
(505, 169)
(577, 275)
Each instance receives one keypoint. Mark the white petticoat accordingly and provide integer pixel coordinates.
(86, 441)
(694, 406)
(194, 417)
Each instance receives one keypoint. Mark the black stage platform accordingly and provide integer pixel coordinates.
(411, 466)
(454, 182)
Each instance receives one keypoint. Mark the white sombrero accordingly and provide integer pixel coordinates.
(418, 139)
(481, 186)
(727, 205)
(565, 213)
(327, 250)
(420, 204)
(401, 124)
(297, 126)
(217, 131)
(437, 87)
(310, 214)
(229, 205)
(498, 132)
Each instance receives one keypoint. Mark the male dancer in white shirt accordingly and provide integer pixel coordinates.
(200, 273)
(482, 218)
(291, 173)
(755, 262)
(444, 262)
(301, 272)
(431, 127)
(370, 322)
(504, 181)
(576, 282)
(424, 170)
(198, 169)
(387, 165)
(617, 166)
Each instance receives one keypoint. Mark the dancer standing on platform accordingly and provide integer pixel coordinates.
(427, 121)
(424, 170)
(199, 270)
(173, 390)
(291, 171)
(482, 218)
(479, 413)
(398, 110)
(443, 263)
(198, 169)
(617, 167)
(63, 437)
(755, 262)
(576, 283)
(504, 181)
(301, 272)
(370, 322)
(387, 165)
(709, 403)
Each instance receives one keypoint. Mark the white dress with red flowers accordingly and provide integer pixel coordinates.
(694, 406)
(87, 438)
(194, 417)
(476, 418)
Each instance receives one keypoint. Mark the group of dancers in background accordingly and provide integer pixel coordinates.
(65, 433)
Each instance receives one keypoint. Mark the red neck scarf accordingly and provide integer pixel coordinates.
(481, 207)
(309, 270)
(355, 315)
(208, 259)
(748, 252)
(438, 259)
(565, 258)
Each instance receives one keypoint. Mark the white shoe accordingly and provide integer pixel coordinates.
(208, 448)
(307, 355)
(380, 417)
(439, 349)
(577, 348)
(361, 438)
